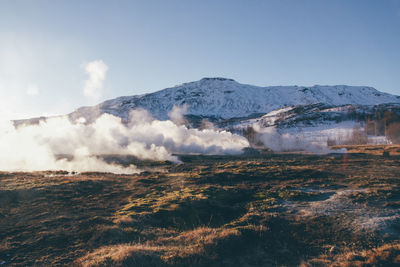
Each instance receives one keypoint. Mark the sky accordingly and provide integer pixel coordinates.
(56, 56)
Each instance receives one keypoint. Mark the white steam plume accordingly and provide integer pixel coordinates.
(97, 71)
(37, 147)
(177, 114)
(278, 142)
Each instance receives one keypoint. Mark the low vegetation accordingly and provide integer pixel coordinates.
(260, 210)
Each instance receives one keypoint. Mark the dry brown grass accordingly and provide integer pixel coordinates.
(393, 150)
(386, 255)
(194, 243)
(119, 254)
(201, 235)
(197, 242)
(123, 220)
(209, 211)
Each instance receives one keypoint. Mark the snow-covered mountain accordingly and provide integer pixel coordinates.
(222, 98)
(312, 114)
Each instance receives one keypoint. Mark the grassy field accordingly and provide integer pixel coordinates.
(393, 150)
(266, 210)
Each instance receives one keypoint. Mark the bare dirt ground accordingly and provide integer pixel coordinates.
(265, 210)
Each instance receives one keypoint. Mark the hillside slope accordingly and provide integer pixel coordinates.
(225, 98)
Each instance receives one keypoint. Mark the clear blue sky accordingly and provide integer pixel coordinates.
(149, 45)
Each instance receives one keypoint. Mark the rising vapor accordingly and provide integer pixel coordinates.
(97, 71)
(38, 147)
(278, 142)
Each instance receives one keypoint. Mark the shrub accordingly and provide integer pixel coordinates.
(393, 132)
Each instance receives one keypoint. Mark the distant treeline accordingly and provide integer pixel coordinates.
(381, 121)
(378, 123)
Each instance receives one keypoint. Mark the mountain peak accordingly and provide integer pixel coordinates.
(217, 79)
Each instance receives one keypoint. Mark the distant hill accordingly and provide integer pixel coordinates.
(223, 98)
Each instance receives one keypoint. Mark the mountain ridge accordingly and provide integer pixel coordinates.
(225, 98)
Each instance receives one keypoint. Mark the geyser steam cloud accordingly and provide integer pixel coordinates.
(97, 71)
(37, 147)
(272, 139)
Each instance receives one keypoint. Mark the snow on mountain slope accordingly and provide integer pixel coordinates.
(314, 124)
(225, 98)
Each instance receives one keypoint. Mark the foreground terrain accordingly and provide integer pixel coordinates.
(263, 210)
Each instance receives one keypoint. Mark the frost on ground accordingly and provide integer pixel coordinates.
(357, 216)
